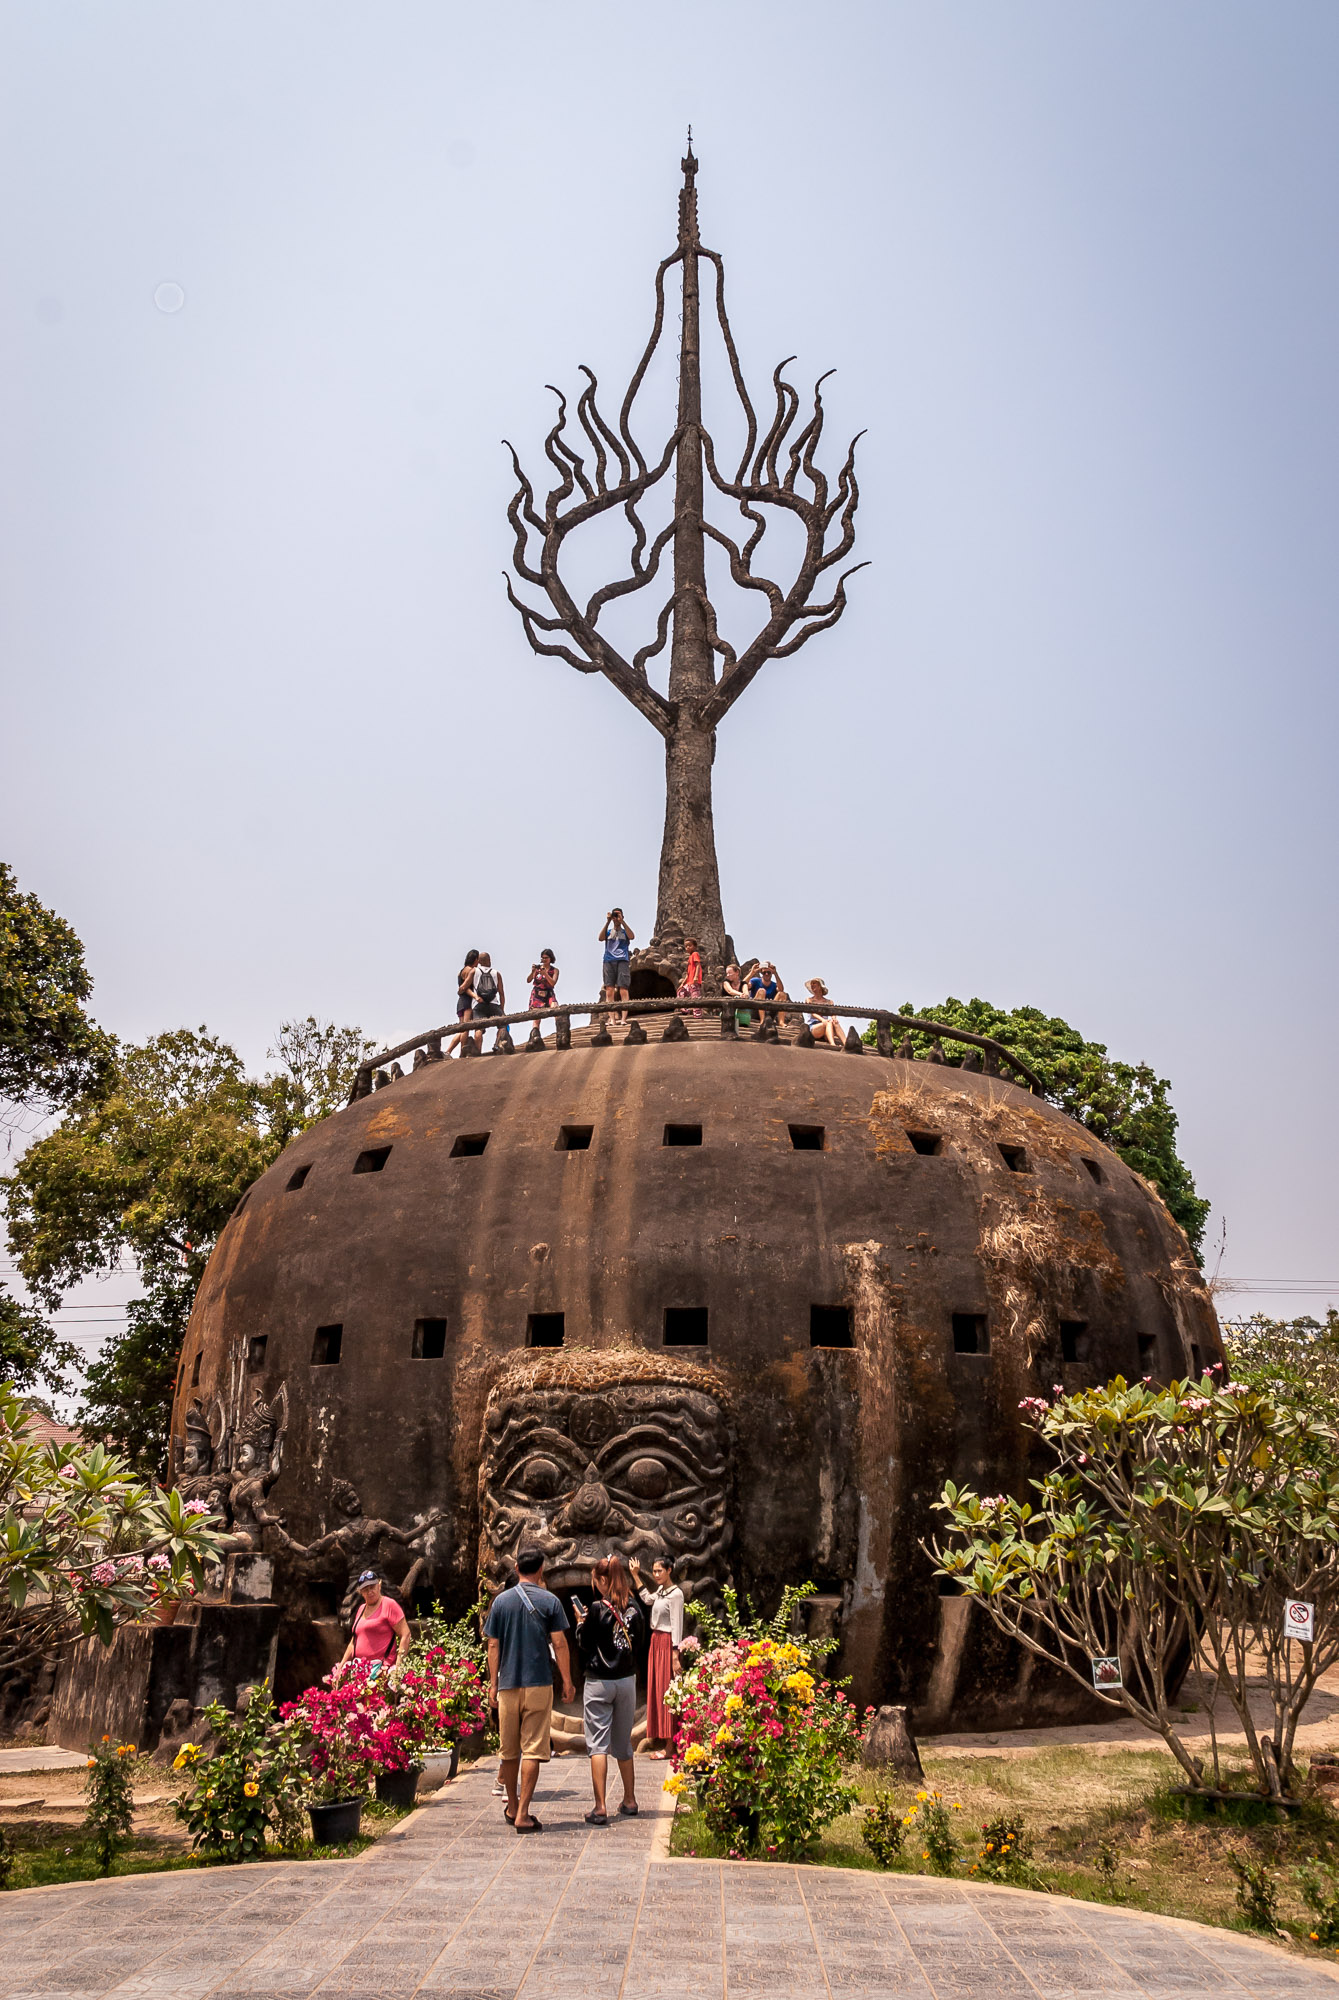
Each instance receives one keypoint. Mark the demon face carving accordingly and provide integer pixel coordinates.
(632, 1467)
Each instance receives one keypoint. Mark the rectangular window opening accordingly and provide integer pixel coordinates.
(255, 1353)
(1196, 1358)
(925, 1142)
(1092, 1169)
(830, 1326)
(683, 1135)
(297, 1177)
(971, 1333)
(574, 1139)
(429, 1339)
(1148, 1353)
(1015, 1159)
(195, 1369)
(808, 1138)
(326, 1346)
(685, 1326)
(372, 1161)
(544, 1330)
(469, 1145)
(1074, 1339)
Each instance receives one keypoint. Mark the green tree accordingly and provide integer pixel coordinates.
(1124, 1104)
(151, 1167)
(51, 1053)
(31, 1354)
(128, 1390)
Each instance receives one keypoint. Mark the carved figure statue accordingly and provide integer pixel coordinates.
(352, 1546)
(635, 1465)
(257, 1457)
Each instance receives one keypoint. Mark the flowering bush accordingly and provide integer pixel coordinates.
(250, 1787)
(762, 1734)
(342, 1726)
(110, 1788)
(1004, 1851)
(930, 1824)
(437, 1700)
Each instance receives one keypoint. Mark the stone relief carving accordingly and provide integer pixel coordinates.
(352, 1547)
(233, 1473)
(630, 1466)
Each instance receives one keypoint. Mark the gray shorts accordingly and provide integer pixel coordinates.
(618, 972)
(610, 1707)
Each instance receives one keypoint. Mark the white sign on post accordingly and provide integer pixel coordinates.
(1299, 1620)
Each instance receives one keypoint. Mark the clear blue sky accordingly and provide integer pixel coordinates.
(274, 741)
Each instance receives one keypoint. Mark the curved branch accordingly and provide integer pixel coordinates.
(736, 371)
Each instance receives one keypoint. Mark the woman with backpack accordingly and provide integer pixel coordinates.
(606, 1635)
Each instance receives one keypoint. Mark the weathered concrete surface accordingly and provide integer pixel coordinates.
(455, 1902)
(127, 1688)
(834, 1455)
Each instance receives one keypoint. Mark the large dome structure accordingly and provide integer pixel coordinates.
(745, 1300)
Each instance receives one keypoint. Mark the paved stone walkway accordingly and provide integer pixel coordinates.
(455, 1903)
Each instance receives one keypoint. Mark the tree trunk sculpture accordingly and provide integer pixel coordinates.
(619, 479)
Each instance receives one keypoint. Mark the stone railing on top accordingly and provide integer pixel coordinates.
(984, 1053)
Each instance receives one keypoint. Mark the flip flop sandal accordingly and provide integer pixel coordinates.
(596, 1819)
(628, 1812)
(509, 1816)
(535, 1826)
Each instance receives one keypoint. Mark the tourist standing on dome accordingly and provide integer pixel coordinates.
(543, 977)
(490, 995)
(464, 997)
(605, 1643)
(616, 937)
(690, 986)
(520, 1681)
(665, 1604)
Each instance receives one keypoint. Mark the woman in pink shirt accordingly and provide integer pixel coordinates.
(380, 1627)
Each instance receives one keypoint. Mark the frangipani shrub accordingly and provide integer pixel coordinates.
(1176, 1521)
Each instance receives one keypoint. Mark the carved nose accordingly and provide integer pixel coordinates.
(589, 1505)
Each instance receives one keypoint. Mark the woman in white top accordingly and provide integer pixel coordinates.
(665, 1604)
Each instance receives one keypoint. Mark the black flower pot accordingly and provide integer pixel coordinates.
(397, 1788)
(337, 1822)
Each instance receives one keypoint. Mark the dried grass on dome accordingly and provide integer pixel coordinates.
(600, 1367)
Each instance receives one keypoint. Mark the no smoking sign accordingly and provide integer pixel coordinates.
(1299, 1620)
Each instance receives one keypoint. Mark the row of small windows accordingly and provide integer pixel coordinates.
(577, 1139)
(689, 1326)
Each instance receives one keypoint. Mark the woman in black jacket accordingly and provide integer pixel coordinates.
(606, 1636)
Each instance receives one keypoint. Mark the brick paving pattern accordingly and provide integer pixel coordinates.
(453, 1903)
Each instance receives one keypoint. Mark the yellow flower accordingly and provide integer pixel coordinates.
(674, 1783)
(800, 1683)
(925, 1854)
(91, 1762)
(733, 1703)
(251, 1790)
(1314, 1936)
(921, 1797)
(725, 1734)
(990, 1847)
(696, 1753)
(957, 1805)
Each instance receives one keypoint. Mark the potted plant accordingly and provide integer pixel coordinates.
(433, 1701)
(339, 1719)
(168, 1593)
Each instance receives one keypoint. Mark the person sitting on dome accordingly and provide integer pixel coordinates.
(822, 1022)
(733, 988)
(543, 977)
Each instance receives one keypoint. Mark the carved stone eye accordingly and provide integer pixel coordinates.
(541, 1476)
(648, 1478)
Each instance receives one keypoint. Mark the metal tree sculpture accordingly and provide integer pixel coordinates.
(776, 471)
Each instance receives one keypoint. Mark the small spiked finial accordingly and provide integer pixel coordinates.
(688, 197)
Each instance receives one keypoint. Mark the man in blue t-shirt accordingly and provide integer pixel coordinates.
(616, 938)
(520, 1680)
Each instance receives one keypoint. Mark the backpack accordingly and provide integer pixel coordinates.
(485, 983)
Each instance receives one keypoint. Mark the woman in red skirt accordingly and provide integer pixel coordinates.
(665, 1604)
